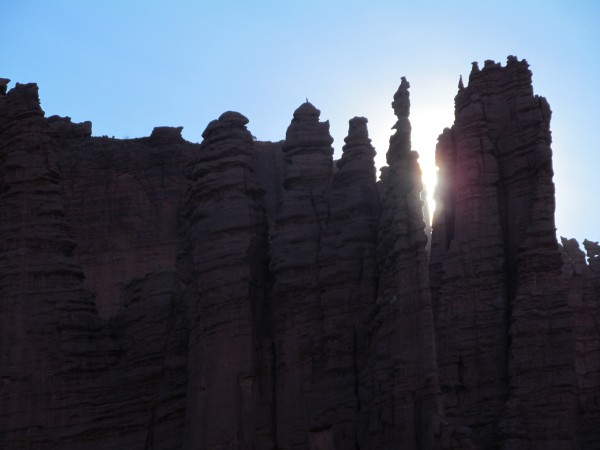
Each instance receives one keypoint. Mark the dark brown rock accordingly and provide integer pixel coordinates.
(593, 255)
(127, 195)
(348, 281)
(584, 292)
(226, 249)
(295, 244)
(63, 127)
(70, 380)
(269, 163)
(137, 397)
(502, 314)
(160, 294)
(166, 135)
(3, 85)
(401, 402)
(40, 281)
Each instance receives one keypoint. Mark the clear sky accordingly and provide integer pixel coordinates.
(130, 65)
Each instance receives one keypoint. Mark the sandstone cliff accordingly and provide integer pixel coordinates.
(402, 404)
(505, 326)
(237, 294)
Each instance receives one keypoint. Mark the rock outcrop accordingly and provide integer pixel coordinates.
(238, 294)
(295, 246)
(225, 260)
(348, 282)
(504, 325)
(127, 194)
(70, 379)
(401, 389)
(584, 292)
(44, 307)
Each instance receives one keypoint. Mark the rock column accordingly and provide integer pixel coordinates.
(496, 268)
(45, 314)
(400, 396)
(295, 248)
(348, 276)
(222, 263)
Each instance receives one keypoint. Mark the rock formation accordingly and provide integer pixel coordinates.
(225, 257)
(104, 181)
(401, 403)
(45, 313)
(504, 325)
(238, 294)
(70, 379)
(348, 280)
(295, 246)
(584, 292)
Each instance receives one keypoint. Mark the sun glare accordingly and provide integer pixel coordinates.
(427, 121)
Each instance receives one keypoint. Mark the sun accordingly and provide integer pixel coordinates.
(427, 121)
(427, 124)
(429, 178)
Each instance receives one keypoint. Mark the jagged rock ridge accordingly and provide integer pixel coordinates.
(239, 294)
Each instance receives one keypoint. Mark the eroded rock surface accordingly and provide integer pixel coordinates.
(122, 200)
(226, 249)
(504, 325)
(402, 405)
(238, 294)
(295, 246)
(70, 379)
(584, 291)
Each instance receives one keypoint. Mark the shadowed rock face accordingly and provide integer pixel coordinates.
(400, 387)
(236, 294)
(505, 328)
(70, 379)
(294, 261)
(584, 292)
(225, 232)
(122, 199)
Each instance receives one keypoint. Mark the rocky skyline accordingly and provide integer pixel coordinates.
(157, 293)
(130, 66)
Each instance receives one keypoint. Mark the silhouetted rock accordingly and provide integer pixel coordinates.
(584, 292)
(295, 244)
(166, 135)
(40, 282)
(62, 127)
(348, 281)
(237, 294)
(502, 314)
(122, 200)
(225, 245)
(593, 255)
(400, 391)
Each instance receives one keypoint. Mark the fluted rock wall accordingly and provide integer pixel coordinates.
(226, 248)
(348, 279)
(402, 402)
(70, 379)
(294, 261)
(584, 292)
(127, 195)
(505, 327)
(237, 294)
(42, 296)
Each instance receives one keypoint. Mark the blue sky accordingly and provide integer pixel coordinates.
(131, 65)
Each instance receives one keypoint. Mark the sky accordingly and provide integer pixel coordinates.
(131, 65)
